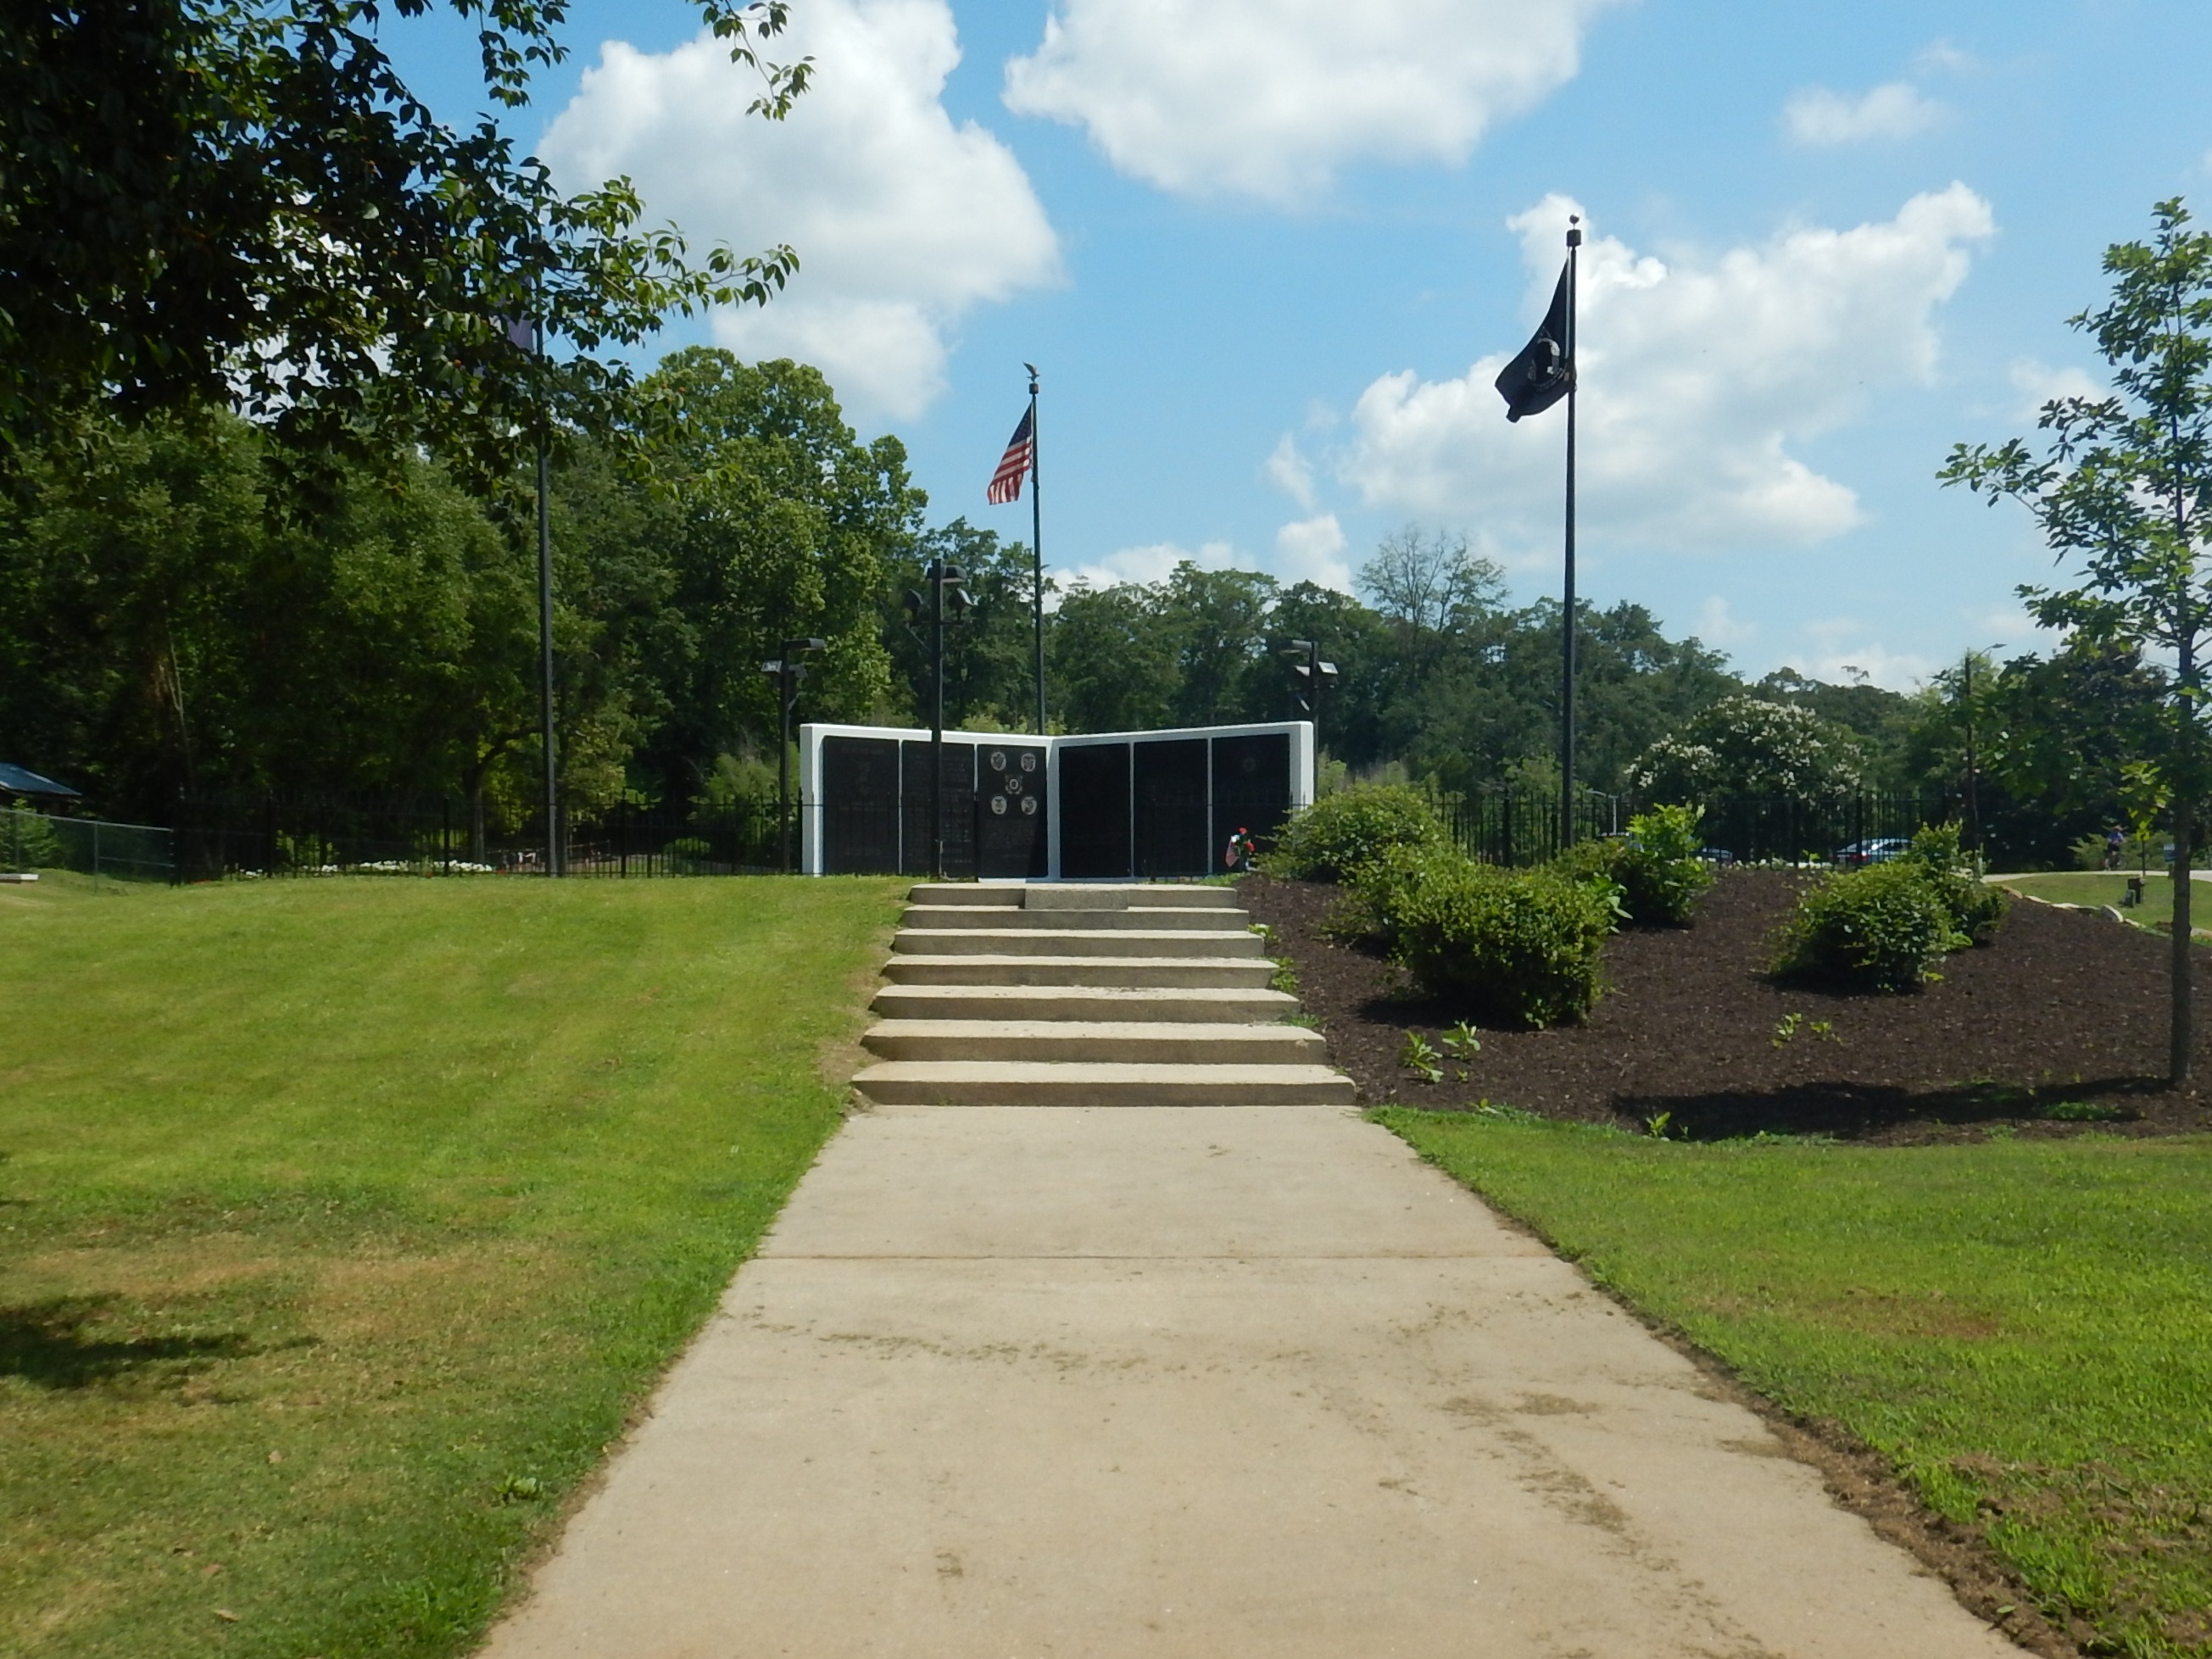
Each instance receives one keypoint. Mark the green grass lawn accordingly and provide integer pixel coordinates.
(343, 1223)
(2024, 1327)
(2103, 887)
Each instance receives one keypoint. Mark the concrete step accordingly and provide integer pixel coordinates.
(1123, 896)
(1186, 1005)
(1047, 1083)
(1065, 972)
(1185, 920)
(1072, 942)
(1073, 895)
(1153, 1043)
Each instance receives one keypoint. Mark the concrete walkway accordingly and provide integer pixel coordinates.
(1166, 1380)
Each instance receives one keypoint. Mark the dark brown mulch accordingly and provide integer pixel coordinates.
(2061, 1006)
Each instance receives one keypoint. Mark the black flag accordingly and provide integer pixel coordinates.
(1544, 373)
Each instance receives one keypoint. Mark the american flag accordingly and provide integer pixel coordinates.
(1021, 449)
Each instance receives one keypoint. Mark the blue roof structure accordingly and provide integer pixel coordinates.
(19, 780)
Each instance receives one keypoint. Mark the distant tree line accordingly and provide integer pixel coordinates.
(186, 618)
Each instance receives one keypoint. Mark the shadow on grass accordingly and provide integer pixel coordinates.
(1850, 1110)
(47, 1345)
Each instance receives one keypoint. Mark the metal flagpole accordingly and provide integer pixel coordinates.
(545, 637)
(1037, 546)
(1567, 620)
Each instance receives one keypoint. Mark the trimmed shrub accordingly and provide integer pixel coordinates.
(1330, 840)
(1876, 929)
(1381, 890)
(1656, 866)
(1973, 905)
(1518, 945)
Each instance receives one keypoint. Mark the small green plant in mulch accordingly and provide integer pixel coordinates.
(1419, 1055)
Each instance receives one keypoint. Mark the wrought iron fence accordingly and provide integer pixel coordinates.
(269, 835)
(1499, 824)
(31, 841)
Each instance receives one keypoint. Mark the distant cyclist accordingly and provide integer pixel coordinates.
(2115, 843)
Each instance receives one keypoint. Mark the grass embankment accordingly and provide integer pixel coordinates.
(345, 1222)
(2024, 1327)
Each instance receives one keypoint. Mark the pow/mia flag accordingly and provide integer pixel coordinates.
(1544, 373)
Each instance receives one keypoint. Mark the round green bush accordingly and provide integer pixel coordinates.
(1330, 840)
(1875, 929)
(1518, 945)
(1973, 905)
(1655, 865)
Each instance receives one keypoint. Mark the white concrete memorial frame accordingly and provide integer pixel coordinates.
(812, 736)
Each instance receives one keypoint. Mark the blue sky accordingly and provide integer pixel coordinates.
(1268, 253)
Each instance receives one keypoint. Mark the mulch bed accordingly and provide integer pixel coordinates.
(2061, 1006)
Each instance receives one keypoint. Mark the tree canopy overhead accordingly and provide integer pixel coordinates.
(206, 203)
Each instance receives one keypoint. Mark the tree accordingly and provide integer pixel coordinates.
(1427, 581)
(210, 202)
(1744, 746)
(761, 518)
(2125, 486)
(990, 654)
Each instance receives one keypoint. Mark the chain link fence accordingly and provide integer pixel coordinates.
(33, 841)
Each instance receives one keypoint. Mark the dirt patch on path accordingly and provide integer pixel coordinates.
(2065, 1010)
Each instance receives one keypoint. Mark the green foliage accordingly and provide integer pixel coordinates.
(1974, 907)
(1335, 837)
(1742, 745)
(1517, 944)
(1419, 1055)
(220, 203)
(1876, 929)
(26, 842)
(1655, 866)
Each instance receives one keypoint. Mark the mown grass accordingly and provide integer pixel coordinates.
(342, 1224)
(2105, 887)
(2024, 1328)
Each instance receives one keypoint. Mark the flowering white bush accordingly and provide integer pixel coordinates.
(1745, 746)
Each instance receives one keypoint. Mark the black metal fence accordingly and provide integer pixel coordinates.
(32, 842)
(1503, 825)
(257, 835)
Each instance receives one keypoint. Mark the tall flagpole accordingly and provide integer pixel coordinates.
(545, 637)
(1036, 547)
(1567, 619)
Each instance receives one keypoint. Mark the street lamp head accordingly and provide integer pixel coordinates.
(1299, 648)
(915, 604)
(772, 668)
(795, 648)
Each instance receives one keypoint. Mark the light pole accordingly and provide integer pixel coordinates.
(1973, 769)
(787, 671)
(944, 589)
(1309, 676)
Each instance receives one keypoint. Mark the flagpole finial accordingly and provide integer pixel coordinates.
(1033, 378)
(1574, 230)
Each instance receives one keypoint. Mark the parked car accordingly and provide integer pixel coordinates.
(1716, 855)
(1860, 854)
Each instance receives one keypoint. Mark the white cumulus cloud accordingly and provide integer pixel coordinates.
(1719, 626)
(1896, 109)
(1696, 379)
(1155, 561)
(902, 220)
(2038, 383)
(1268, 98)
(1312, 550)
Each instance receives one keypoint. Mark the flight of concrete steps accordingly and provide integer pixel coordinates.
(1061, 994)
